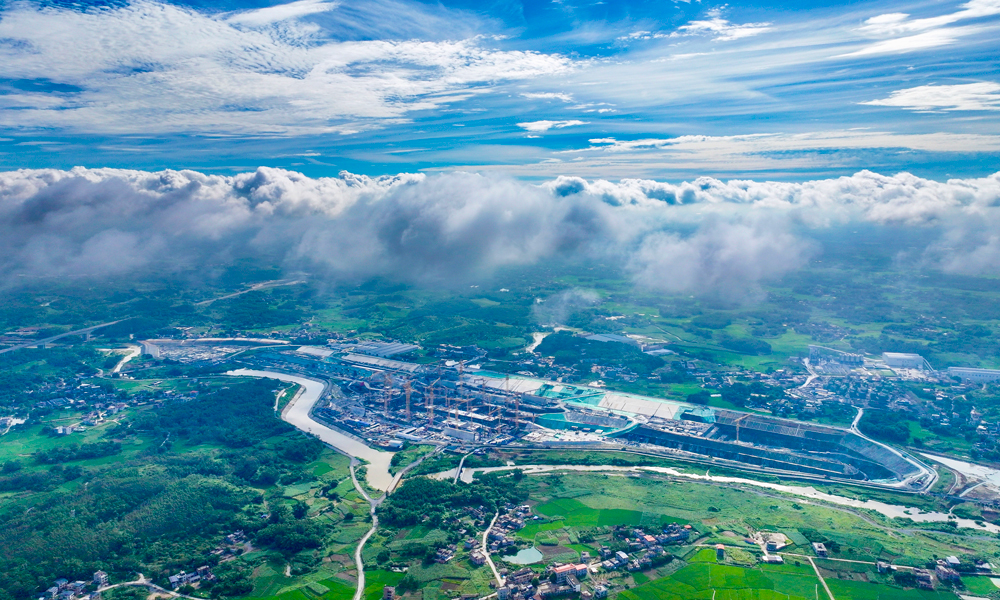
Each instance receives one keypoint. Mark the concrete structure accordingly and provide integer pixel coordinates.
(820, 550)
(563, 572)
(902, 360)
(385, 349)
(610, 337)
(974, 375)
(823, 354)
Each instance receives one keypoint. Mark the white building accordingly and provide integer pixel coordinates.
(900, 360)
(975, 375)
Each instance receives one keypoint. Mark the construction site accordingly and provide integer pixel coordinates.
(387, 402)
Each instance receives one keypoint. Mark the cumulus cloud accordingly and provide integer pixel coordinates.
(726, 259)
(539, 126)
(984, 95)
(701, 236)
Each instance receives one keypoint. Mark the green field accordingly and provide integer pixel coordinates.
(574, 513)
(705, 581)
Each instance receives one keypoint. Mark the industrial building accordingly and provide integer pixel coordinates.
(821, 354)
(901, 360)
(382, 400)
(975, 375)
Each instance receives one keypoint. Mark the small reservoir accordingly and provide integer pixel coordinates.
(525, 556)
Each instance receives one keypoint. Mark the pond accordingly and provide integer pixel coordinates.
(525, 556)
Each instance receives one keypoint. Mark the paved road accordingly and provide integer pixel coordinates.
(486, 550)
(821, 580)
(358, 561)
(49, 340)
(257, 286)
(143, 582)
(458, 470)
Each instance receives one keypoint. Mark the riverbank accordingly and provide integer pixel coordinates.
(888, 510)
(298, 414)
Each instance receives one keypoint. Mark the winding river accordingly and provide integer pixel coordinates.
(889, 510)
(297, 414)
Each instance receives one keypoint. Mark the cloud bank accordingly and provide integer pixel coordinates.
(704, 236)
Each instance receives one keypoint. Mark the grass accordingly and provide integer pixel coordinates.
(409, 454)
(376, 580)
(574, 513)
(705, 581)
(861, 590)
(714, 509)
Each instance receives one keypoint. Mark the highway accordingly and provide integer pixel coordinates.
(253, 288)
(49, 340)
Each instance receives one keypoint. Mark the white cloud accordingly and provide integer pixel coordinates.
(720, 28)
(782, 142)
(984, 95)
(458, 225)
(548, 96)
(281, 12)
(538, 126)
(148, 67)
(907, 35)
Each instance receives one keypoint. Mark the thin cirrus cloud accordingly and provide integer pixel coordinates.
(540, 126)
(900, 33)
(365, 83)
(984, 95)
(281, 12)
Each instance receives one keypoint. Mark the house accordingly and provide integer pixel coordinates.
(581, 570)
(521, 576)
(720, 552)
(883, 567)
(503, 593)
(773, 559)
(564, 571)
(925, 580)
(388, 592)
(477, 558)
(621, 556)
(820, 550)
(946, 573)
(600, 591)
(100, 579)
(952, 561)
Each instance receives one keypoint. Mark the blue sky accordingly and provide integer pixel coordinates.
(660, 90)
